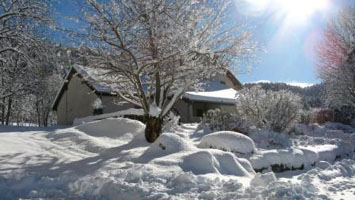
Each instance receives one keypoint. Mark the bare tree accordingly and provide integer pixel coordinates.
(18, 22)
(152, 51)
(336, 59)
(17, 19)
(340, 85)
(24, 53)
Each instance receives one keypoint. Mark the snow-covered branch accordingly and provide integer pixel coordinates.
(157, 50)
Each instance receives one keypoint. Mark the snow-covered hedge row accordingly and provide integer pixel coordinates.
(297, 158)
(228, 141)
(284, 160)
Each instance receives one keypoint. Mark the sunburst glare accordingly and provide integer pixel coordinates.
(292, 12)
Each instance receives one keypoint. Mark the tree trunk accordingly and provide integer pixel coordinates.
(9, 104)
(45, 118)
(38, 114)
(153, 128)
(3, 113)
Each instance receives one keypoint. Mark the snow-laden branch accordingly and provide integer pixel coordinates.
(157, 50)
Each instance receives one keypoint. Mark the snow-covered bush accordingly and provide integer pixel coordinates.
(228, 141)
(97, 106)
(344, 114)
(216, 120)
(305, 117)
(269, 139)
(171, 122)
(266, 109)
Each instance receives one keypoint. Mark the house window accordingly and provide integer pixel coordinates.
(98, 111)
(199, 112)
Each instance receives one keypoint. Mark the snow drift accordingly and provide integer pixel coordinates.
(214, 161)
(113, 128)
(167, 143)
(97, 136)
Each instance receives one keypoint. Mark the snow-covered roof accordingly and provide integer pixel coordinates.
(95, 78)
(219, 96)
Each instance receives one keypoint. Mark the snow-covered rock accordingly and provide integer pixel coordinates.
(228, 141)
(214, 161)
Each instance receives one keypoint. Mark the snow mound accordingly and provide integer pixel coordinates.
(214, 161)
(147, 184)
(112, 127)
(326, 152)
(167, 143)
(228, 141)
(323, 164)
(262, 180)
(95, 137)
(339, 126)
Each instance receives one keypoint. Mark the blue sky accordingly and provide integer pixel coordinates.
(289, 42)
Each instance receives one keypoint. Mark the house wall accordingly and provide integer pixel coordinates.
(225, 79)
(188, 110)
(75, 102)
(184, 109)
(113, 104)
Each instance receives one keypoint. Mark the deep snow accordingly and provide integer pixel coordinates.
(108, 159)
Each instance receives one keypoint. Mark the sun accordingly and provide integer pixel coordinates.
(301, 10)
(289, 11)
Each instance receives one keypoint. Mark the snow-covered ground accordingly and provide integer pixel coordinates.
(109, 159)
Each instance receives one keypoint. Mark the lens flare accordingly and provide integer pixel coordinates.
(293, 12)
